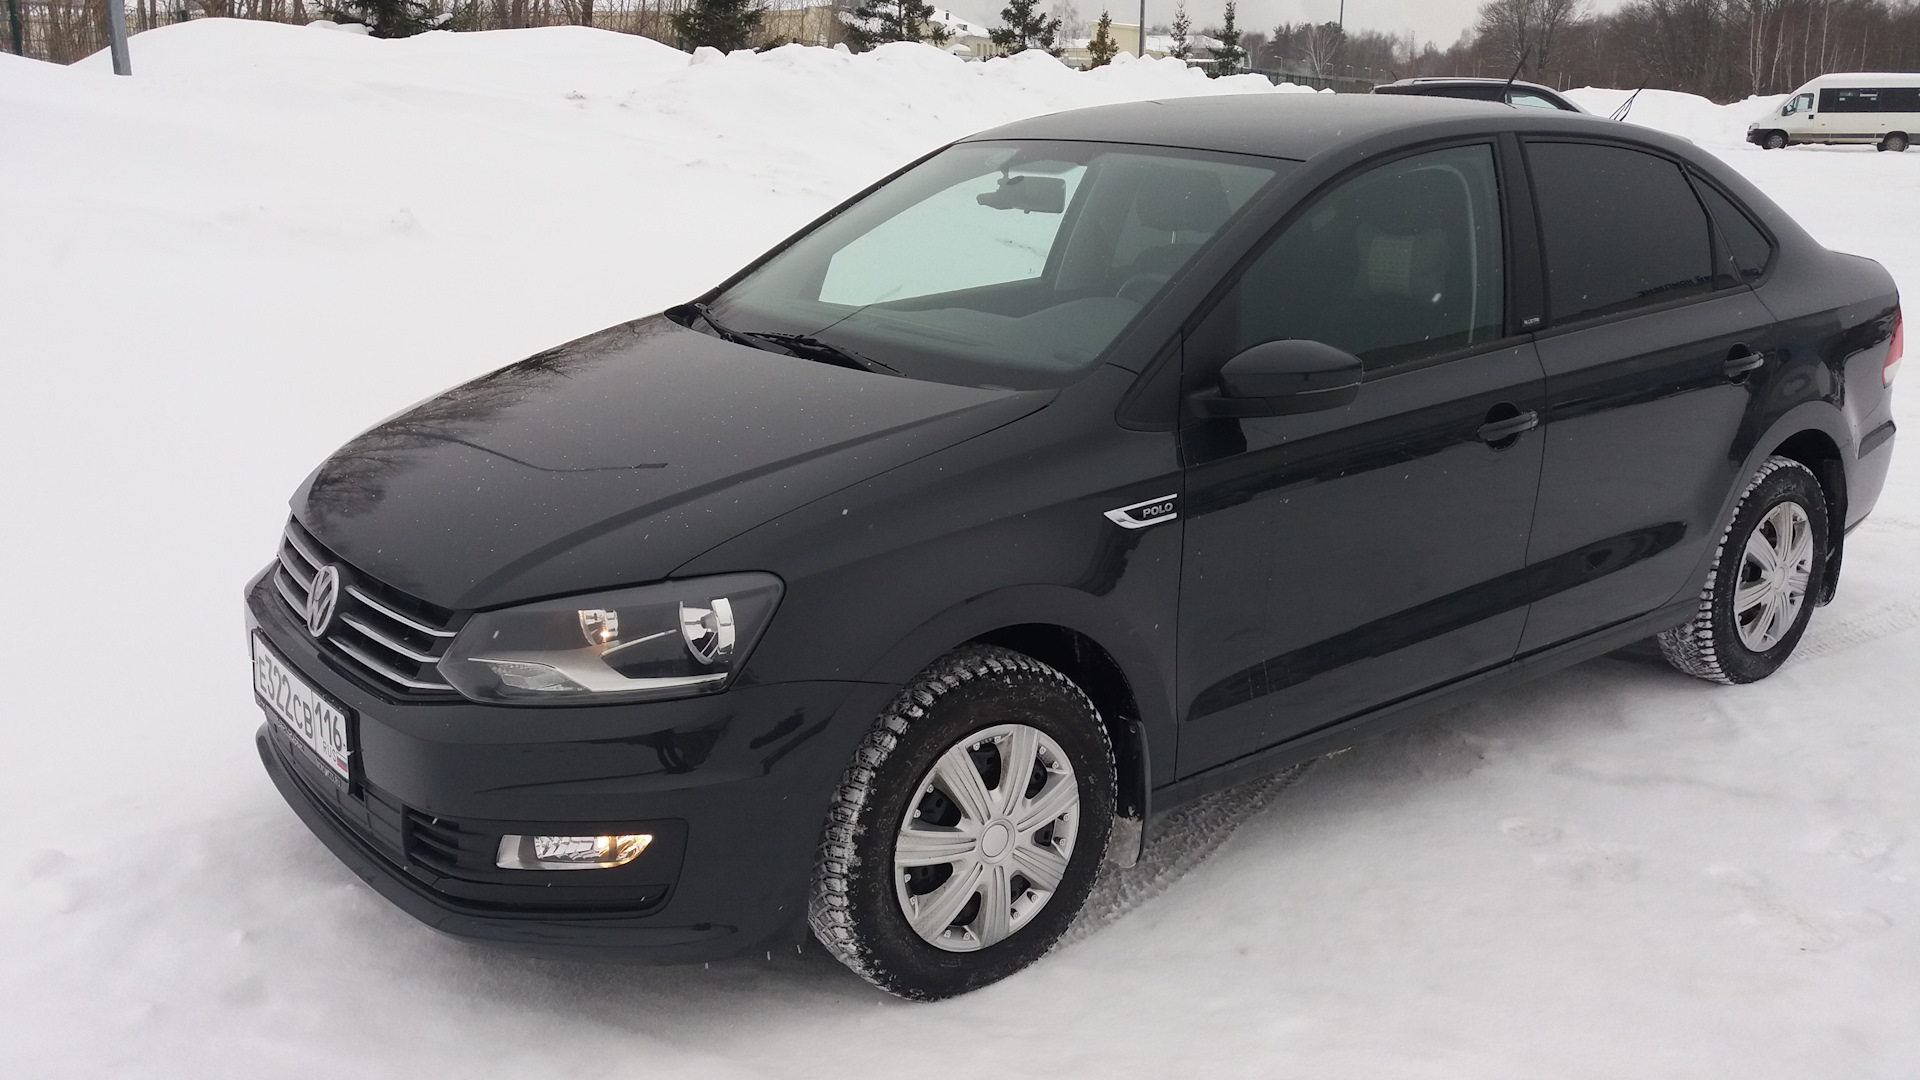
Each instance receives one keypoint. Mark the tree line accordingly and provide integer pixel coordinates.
(1721, 49)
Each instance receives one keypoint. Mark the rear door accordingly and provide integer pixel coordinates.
(1342, 559)
(1652, 341)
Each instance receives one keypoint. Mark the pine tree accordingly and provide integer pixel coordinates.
(1228, 55)
(878, 22)
(721, 24)
(1102, 48)
(1182, 48)
(1024, 28)
(386, 18)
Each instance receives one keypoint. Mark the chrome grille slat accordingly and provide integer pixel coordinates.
(301, 548)
(360, 595)
(304, 577)
(381, 668)
(383, 640)
(299, 604)
(366, 629)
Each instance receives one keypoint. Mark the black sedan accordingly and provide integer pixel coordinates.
(1076, 470)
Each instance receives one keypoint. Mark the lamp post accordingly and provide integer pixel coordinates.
(1142, 43)
(117, 37)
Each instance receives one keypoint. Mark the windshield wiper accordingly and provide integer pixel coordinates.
(725, 332)
(812, 348)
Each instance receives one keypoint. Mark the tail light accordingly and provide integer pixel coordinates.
(1894, 349)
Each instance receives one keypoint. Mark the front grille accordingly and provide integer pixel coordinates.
(393, 639)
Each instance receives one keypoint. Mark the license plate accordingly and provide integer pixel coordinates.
(312, 718)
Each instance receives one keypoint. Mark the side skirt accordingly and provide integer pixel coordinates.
(1342, 734)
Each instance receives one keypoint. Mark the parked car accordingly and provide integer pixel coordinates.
(1531, 95)
(1077, 469)
(1877, 107)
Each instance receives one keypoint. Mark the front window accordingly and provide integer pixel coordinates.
(1003, 264)
(1794, 105)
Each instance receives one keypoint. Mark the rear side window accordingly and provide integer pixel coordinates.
(1397, 264)
(1747, 247)
(1529, 98)
(1900, 99)
(1864, 100)
(1623, 229)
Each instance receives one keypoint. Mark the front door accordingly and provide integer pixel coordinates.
(1654, 343)
(1338, 560)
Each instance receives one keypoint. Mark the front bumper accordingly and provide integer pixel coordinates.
(734, 787)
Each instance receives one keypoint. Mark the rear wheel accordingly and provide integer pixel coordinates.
(1776, 140)
(967, 831)
(1759, 594)
(1896, 142)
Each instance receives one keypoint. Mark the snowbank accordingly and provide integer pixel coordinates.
(1687, 115)
(213, 273)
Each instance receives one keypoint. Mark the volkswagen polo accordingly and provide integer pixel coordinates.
(1077, 469)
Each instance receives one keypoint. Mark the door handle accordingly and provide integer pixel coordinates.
(1494, 431)
(1742, 360)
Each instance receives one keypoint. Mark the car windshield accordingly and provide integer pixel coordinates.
(1012, 264)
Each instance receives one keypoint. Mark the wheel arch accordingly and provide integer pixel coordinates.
(1115, 662)
(1820, 452)
(1088, 663)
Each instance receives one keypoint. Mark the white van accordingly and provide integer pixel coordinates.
(1878, 107)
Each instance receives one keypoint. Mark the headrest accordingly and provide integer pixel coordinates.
(1174, 199)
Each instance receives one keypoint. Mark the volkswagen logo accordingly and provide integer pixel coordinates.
(323, 599)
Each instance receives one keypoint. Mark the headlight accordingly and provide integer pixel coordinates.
(674, 639)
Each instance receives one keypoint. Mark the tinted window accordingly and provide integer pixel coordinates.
(1902, 99)
(1401, 262)
(1746, 245)
(1850, 100)
(1622, 229)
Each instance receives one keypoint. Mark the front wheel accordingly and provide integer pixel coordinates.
(1758, 596)
(1776, 140)
(967, 831)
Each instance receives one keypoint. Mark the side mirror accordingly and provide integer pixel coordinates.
(1034, 194)
(1292, 375)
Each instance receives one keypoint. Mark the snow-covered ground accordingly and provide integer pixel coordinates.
(215, 272)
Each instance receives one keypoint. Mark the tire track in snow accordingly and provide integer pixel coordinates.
(1177, 843)
(1824, 637)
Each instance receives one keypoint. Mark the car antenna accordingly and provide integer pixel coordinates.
(1627, 105)
(1515, 75)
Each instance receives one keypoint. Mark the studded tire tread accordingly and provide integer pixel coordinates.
(830, 908)
(1704, 648)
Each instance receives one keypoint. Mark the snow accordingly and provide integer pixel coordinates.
(216, 271)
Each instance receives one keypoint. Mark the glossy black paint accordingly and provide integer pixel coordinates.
(1326, 572)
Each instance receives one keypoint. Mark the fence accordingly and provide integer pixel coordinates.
(1339, 84)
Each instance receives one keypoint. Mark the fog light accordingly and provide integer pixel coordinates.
(570, 852)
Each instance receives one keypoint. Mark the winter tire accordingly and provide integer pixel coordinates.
(1896, 142)
(1760, 592)
(1776, 140)
(965, 834)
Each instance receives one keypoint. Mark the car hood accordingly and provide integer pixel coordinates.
(617, 458)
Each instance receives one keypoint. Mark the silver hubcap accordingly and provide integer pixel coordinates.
(1774, 572)
(984, 844)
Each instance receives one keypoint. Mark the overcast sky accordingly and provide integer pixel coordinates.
(1439, 21)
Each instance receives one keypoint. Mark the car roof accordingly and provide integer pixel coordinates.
(1293, 126)
(1843, 79)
